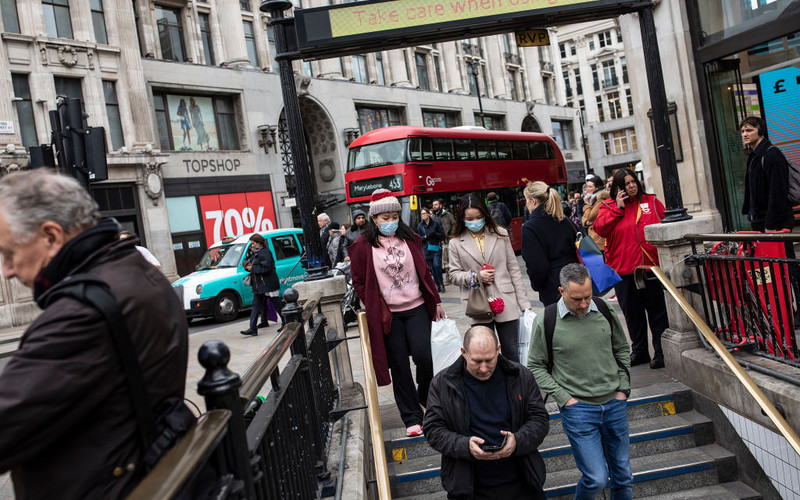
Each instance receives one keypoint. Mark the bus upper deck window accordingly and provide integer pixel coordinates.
(415, 149)
(443, 149)
(504, 150)
(521, 150)
(539, 150)
(464, 149)
(487, 149)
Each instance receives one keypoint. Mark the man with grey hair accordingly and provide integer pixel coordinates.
(579, 354)
(485, 415)
(324, 223)
(69, 426)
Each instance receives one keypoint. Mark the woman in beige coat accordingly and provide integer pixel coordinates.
(594, 194)
(478, 240)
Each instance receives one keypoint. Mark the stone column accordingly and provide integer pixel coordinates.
(332, 291)
(398, 73)
(672, 249)
(533, 73)
(136, 121)
(330, 68)
(495, 64)
(232, 31)
(452, 73)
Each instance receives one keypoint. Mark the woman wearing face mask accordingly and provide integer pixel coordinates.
(392, 279)
(548, 240)
(481, 250)
(621, 220)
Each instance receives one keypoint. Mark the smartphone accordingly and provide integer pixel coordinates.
(493, 447)
(486, 266)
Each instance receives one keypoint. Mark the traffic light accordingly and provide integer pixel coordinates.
(81, 150)
(42, 156)
(95, 143)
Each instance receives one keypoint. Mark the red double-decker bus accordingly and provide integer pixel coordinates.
(423, 164)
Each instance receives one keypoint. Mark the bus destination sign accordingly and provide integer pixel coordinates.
(323, 25)
(365, 187)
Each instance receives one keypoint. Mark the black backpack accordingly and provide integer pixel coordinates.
(497, 214)
(550, 315)
(158, 430)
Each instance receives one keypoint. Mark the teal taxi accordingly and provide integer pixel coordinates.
(216, 289)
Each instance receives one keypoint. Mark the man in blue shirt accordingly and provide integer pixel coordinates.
(486, 417)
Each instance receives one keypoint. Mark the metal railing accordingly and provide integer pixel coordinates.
(711, 338)
(373, 411)
(750, 288)
(250, 446)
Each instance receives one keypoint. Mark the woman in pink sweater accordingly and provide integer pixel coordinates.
(393, 280)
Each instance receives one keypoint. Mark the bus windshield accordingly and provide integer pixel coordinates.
(377, 155)
(221, 256)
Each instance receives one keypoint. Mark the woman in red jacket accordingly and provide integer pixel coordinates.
(393, 280)
(621, 221)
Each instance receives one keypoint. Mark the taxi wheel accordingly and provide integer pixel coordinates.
(226, 307)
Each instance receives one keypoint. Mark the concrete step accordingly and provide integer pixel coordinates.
(416, 476)
(438, 495)
(661, 474)
(399, 447)
(726, 491)
(648, 437)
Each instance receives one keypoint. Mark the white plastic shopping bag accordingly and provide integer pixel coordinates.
(525, 327)
(445, 344)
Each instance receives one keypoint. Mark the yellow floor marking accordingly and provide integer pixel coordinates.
(399, 454)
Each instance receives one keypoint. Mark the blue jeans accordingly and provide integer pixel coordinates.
(600, 441)
(435, 263)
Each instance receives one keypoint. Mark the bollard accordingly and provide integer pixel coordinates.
(220, 388)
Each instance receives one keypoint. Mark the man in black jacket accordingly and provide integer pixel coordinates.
(486, 417)
(766, 180)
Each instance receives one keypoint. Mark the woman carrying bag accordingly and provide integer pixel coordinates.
(392, 279)
(481, 254)
(621, 221)
(432, 234)
(548, 240)
(264, 282)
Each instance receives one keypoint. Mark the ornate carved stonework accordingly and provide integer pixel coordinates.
(68, 53)
(152, 180)
(68, 56)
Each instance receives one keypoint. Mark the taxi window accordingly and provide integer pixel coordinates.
(285, 247)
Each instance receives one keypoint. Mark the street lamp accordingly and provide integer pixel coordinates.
(475, 65)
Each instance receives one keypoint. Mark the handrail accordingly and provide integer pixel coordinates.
(748, 383)
(373, 411)
(176, 468)
(784, 237)
(261, 369)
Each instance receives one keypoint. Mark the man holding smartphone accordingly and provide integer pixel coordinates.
(486, 417)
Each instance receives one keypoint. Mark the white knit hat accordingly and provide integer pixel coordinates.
(383, 201)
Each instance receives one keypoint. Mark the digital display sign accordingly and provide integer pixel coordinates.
(780, 91)
(393, 183)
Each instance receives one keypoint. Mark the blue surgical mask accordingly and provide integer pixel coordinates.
(475, 225)
(389, 228)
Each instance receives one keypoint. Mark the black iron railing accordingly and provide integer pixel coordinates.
(749, 287)
(270, 446)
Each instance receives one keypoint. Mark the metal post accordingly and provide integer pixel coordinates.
(662, 137)
(475, 71)
(220, 388)
(585, 153)
(294, 122)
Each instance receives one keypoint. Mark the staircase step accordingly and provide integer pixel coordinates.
(416, 476)
(400, 447)
(648, 437)
(663, 473)
(438, 495)
(726, 491)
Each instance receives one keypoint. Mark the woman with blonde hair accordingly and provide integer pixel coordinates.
(548, 240)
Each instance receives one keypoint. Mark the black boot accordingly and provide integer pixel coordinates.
(249, 332)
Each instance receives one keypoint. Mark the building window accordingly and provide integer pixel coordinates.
(563, 49)
(437, 67)
(512, 85)
(68, 87)
(272, 49)
(360, 69)
(629, 98)
(565, 74)
(250, 42)
(493, 122)
(170, 33)
(98, 21)
(614, 105)
(8, 9)
(562, 133)
(624, 65)
(619, 35)
(112, 112)
(422, 70)
(600, 115)
(609, 74)
(582, 106)
(595, 77)
(373, 118)
(472, 78)
(24, 105)
(195, 123)
(441, 119)
(578, 84)
(572, 50)
(56, 18)
(379, 67)
(205, 36)
(620, 141)
(591, 44)
(604, 38)
(244, 5)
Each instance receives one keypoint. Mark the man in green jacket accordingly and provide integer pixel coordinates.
(587, 373)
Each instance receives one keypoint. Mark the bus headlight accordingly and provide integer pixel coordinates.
(199, 289)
